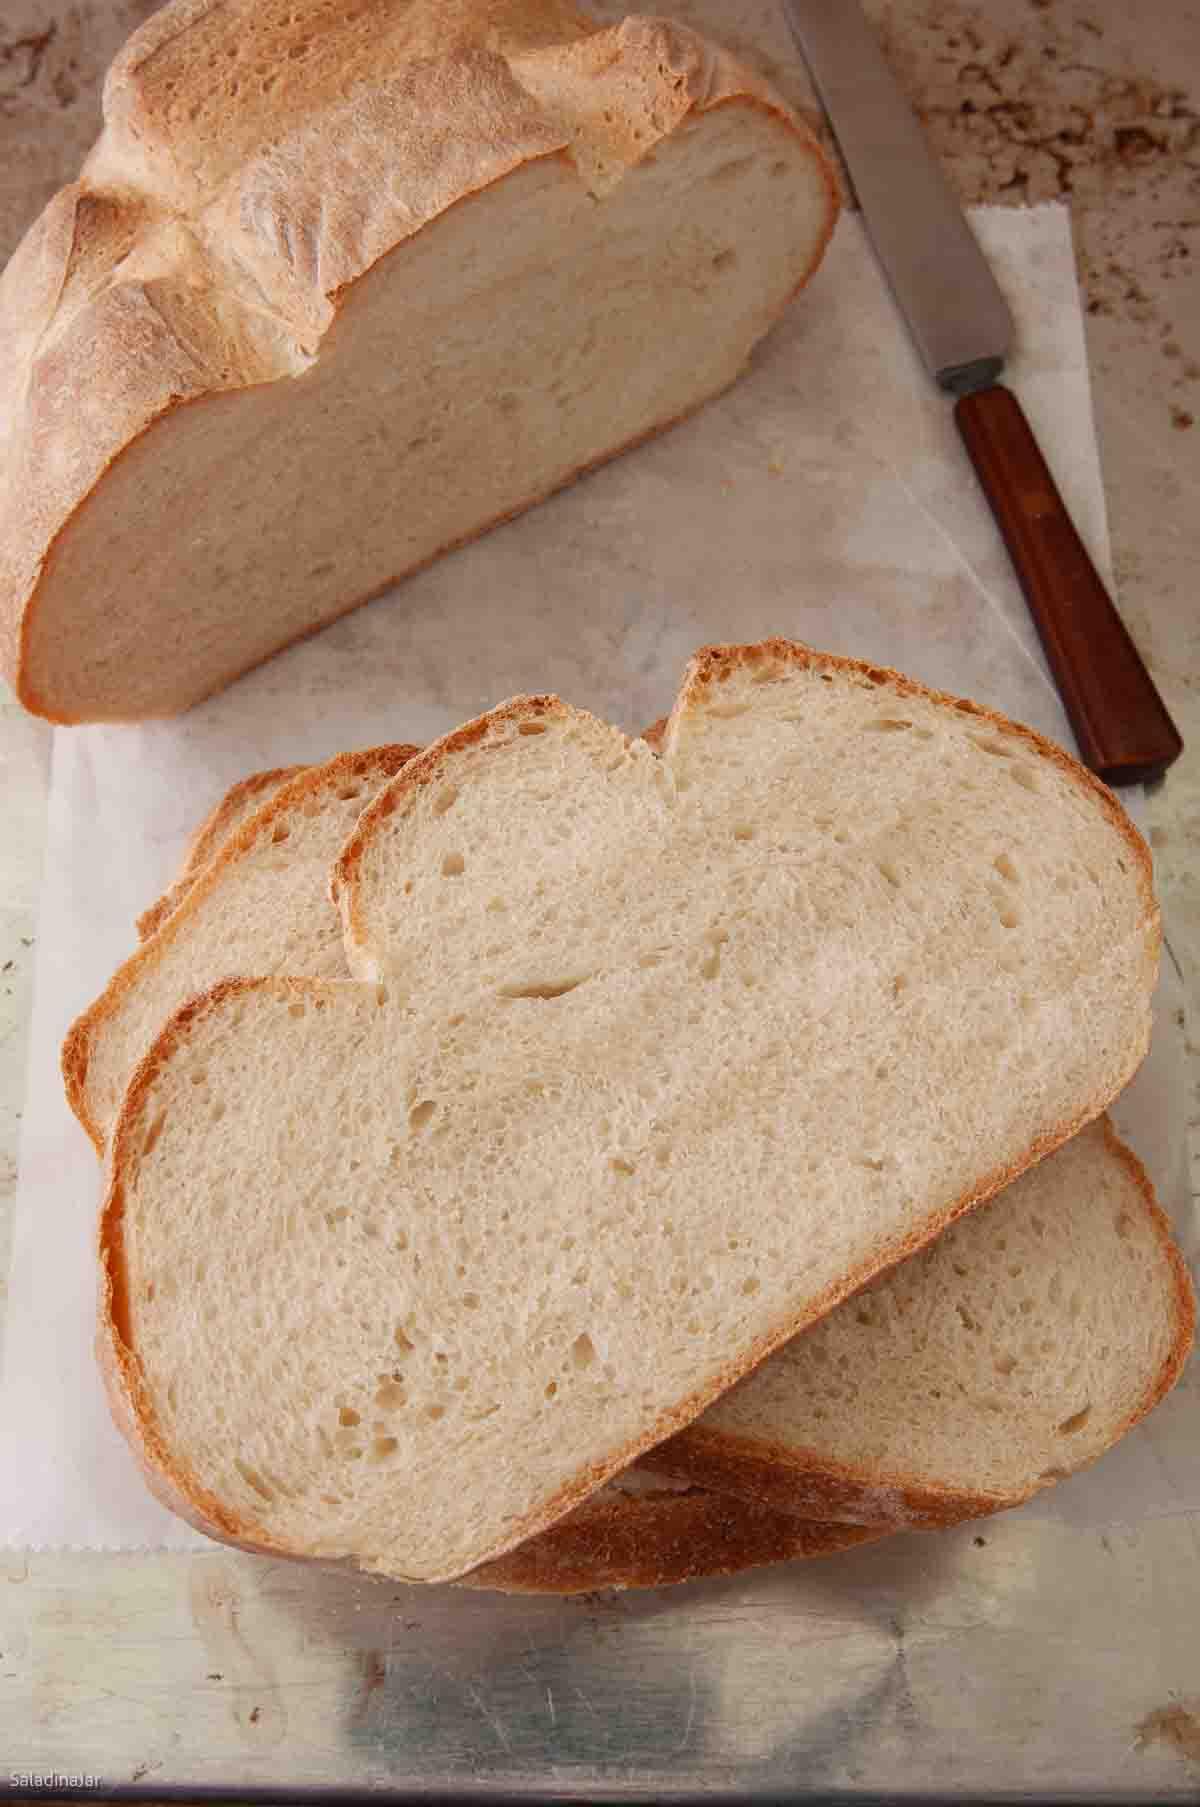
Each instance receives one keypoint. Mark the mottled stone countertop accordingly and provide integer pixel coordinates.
(1093, 101)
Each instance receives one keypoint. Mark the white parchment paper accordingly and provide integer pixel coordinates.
(826, 498)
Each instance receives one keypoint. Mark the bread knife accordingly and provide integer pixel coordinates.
(964, 332)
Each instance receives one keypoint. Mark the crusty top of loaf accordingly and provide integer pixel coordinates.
(257, 159)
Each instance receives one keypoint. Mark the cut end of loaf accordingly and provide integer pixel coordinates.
(592, 197)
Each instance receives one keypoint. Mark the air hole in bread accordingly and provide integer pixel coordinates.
(1006, 869)
(1008, 915)
(750, 1286)
(551, 1389)
(402, 1340)
(724, 260)
(1024, 776)
(435, 1412)
(583, 1352)
(531, 728)
(743, 832)
(888, 870)
(990, 743)
(966, 1319)
(623, 1167)
(1005, 1364)
(728, 711)
(453, 865)
(382, 1448)
(471, 1301)
(390, 1394)
(420, 1114)
(885, 724)
(446, 798)
(280, 832)
(349, 792)
(544, 988)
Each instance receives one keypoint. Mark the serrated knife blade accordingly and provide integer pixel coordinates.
(964, 332)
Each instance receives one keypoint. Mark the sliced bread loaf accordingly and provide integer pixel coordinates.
(857, 1419)
(553, 1344)
(241, 914)
(337, 291)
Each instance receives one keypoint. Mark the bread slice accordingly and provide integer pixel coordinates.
(509, 1236)
(239, 803)
(239, 915)
(335, 294)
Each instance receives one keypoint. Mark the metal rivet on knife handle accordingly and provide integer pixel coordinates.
(1124, 732)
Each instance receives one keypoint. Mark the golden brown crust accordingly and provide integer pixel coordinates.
(76, 1049)
(215, 828)
(658, 1540)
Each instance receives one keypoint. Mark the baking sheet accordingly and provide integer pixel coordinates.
(826, 498)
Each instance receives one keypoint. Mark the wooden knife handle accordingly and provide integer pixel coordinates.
(1121, 723)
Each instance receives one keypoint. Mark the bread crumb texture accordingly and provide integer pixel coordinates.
(661, 1059)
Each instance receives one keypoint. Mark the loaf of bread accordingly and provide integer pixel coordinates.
(505, 1262)
(337, 291)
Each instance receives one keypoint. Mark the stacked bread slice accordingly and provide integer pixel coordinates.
(651, 1124)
